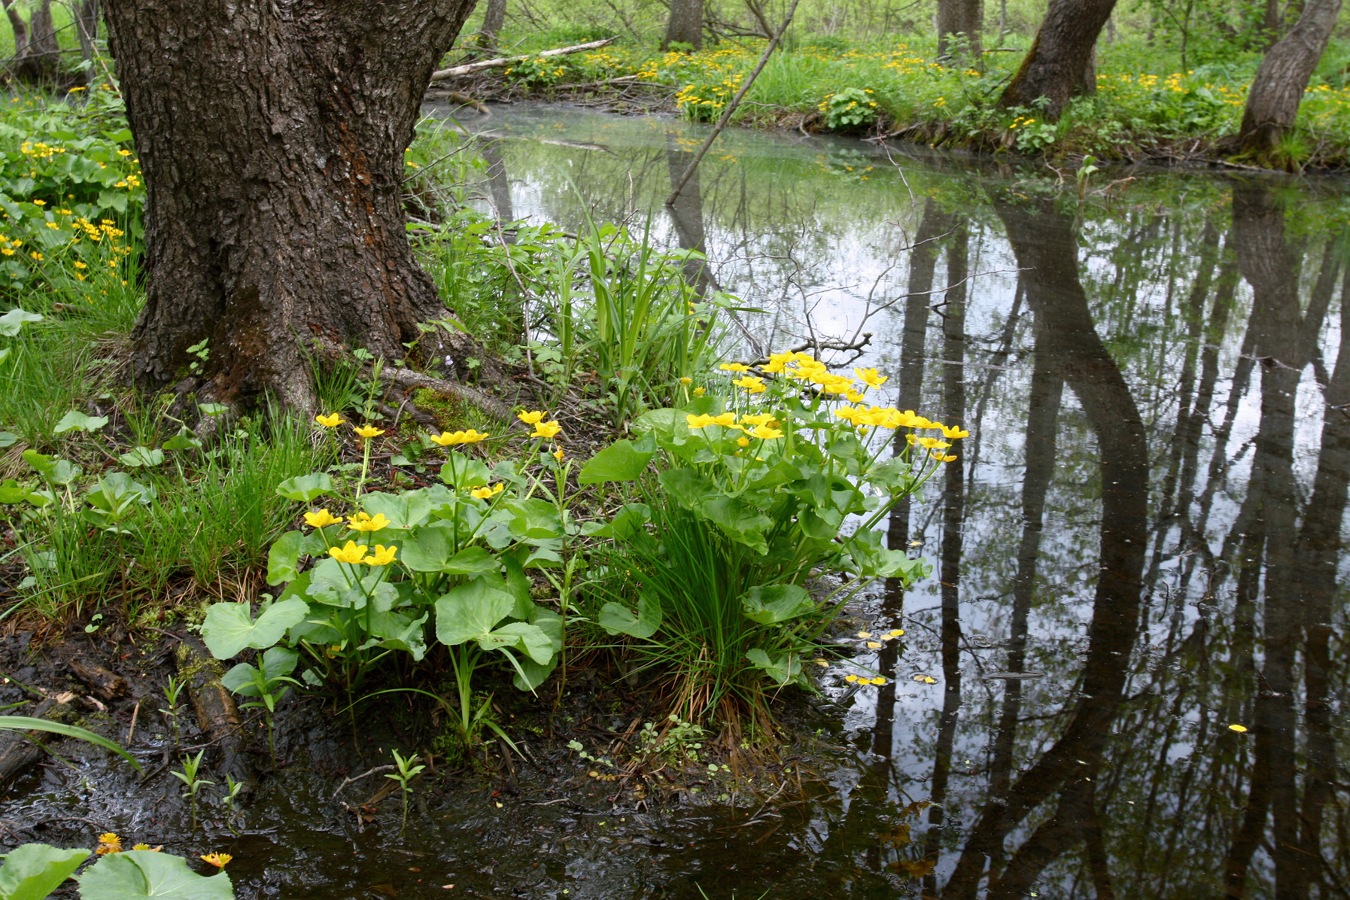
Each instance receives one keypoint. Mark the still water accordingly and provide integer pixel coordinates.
(1126, 675)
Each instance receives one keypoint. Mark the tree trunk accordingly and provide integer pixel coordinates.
(1060, 63)
(685, 25)
(36, 52)
(271, 138)
(86, 27)
(493, 20)
(964, 20)
(1272, 102)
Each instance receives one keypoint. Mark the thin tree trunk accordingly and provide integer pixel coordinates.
(1272, 102)
(271, 138)
(494, 17)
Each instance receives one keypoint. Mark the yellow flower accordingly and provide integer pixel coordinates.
(219, 860)
(700, 391)
(751, 383)
(363, 521)
(873, 645)
(878, 681)
(698, 421)
(954, 432)
(928, 443)
(742, 441)
(895, 633)
(558, 454)
(451, 438)
(686, 380)
(147, 847)
(487, 493)
(850, 677)
(871, 377)
(1240, 729)
(320, 518)
(382, 556)
(530, 417)
(726, 419)
(368, 431)
(108, 842)
(734, 367)
(943, 457)
(759, 419)
(352, 552)
(765, 433)
(546, 430)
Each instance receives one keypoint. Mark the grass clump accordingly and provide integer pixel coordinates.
(743, 506)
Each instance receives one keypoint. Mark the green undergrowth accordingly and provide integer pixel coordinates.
(456, 561)
(1147, 104)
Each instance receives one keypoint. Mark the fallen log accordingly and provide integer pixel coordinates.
(470, 68)
(106, 684)
(217, 715)
(21, 749)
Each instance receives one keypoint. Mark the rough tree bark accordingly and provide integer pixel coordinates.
(1272, 102)
(36, 51)
(964, 18)
(1060, 63)
(685, 25)
(271, 136)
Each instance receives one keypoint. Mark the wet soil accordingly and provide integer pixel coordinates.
(326, 822)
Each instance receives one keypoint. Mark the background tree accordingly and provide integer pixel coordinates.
(685, 25)
(964, 20)
(494, 17)
(1059, 64)
(1272, 102)
(36, 51)
(271, 137)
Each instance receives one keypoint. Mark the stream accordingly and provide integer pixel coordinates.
(1125, 676)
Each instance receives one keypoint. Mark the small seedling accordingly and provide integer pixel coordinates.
(405, 773)
(190, 776)
(172, 691)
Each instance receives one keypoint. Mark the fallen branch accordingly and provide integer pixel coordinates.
(470, 68)
(731, 106)
(408, 379)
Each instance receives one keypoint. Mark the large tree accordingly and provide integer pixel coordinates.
(271, 136)
(1059, 64)
(1272, 102)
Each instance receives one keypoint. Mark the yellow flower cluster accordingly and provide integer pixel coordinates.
(454, 438)
(353, 553)
(40, 149)
(758, 425)
(542, 429)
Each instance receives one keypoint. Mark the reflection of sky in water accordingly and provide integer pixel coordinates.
(823, 258)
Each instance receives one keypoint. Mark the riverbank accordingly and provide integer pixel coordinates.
(1143, 110)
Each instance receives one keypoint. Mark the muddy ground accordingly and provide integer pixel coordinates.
(327, 823)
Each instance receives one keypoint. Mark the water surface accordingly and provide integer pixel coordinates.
(1125, 677)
